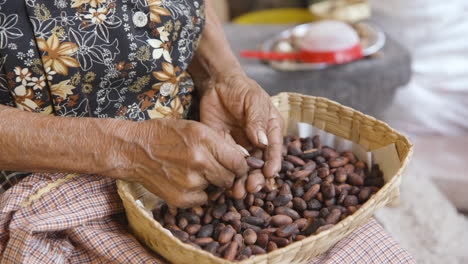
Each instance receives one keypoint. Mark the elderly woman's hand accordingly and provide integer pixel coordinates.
(177, 159)
(237, 104)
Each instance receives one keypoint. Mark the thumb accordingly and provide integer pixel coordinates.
(256, 125)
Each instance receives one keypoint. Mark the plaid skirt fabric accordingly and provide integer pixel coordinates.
(63, 218)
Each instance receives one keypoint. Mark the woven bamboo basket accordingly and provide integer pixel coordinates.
(320, 112)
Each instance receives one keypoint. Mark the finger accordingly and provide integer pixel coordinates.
(229, 156)
(273, 151)
(190, 181)
(257, 123)
(217, 175)
(176, 196)
(228, 137)
(188, 199)
(238, 189)
(255, 181)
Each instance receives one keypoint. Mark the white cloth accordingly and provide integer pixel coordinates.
(436, 33)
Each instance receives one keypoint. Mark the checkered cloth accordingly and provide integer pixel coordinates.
(10, 178)
(60, 218)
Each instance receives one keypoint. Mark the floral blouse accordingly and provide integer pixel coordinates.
(123, 59)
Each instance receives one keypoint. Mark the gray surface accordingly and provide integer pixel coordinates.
(367, 85)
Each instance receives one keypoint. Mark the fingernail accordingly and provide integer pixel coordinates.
(262, 138)
(246, 153)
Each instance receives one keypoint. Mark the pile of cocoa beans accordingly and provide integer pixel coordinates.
(316, 188)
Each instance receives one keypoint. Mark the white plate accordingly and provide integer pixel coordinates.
(372, 40)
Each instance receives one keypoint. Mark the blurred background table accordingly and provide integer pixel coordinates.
(367, 85)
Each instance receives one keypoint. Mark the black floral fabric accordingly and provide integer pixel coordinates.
(123, 59)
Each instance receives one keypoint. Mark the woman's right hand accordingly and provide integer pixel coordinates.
(178, 159)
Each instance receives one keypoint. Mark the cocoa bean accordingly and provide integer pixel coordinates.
(354, 190)
(351, 200)
(350, 155)
(298, 191)
(300, 174)
(301, 223)
(192, 229)
(237, 225)
(312, 192)
(333, 217)
(226, 234)
(271, 196)
(239, 239)
(307, 143)
(231, 216)
(282, 200)
(256, 250)
(212, 247)
(364, 194)
(287, 211)
(351, 209)
(310, 166)
(338, 162)
(293, 149)
(169, 219)
(300, 237)
(328, 190)
(181, 235)
(280, 241)
(239, 204)
(323, 172)
(257, 153)
(253, 220)
(250, 236)
(355, 179)
(360, 165)
(286, 166)
(271, 246)
(329, 153)
(313, 225)
(203, 241)
(208, 217)
(295, 160)
(341, 175)
(231, 251)
(244, 213)
(299, 204)
(183, 223)
(222, 248)
(311, 213)
(320, 160)
(329, 202)
(259, 212)
(255, 163)
(219, 227)
(206, 231)
(342, 196)
(249, 200)
(269, 207)
(287, 230)
(280, 220)
(349, 168)
(311, 154)
(259, 202)
(317, 142)
(324, 212)
(219, 210)
(246, 251)
(245, 225)
(262, 239)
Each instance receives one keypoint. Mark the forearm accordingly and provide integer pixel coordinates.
(214, 56)
(38, 143)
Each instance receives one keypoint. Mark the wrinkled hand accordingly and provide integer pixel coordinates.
(238, 105)
(178, 159)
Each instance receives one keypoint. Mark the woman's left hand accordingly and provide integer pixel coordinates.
(236, 104)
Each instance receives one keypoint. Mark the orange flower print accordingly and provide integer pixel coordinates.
(157, 11)
(173, 111)
(62, 89)
(93, 3)
(23, 98)
(169, 84)
(58, 57)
